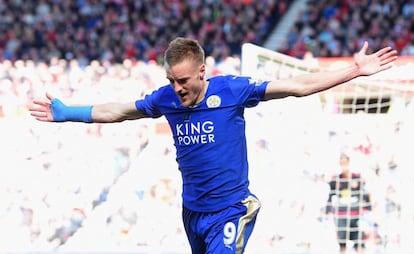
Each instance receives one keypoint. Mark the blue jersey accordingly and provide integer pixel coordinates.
(210, 139)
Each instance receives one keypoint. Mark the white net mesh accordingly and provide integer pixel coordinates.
(369, 118)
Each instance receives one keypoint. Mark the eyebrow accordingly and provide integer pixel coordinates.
(179, 80)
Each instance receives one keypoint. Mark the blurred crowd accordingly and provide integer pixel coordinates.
(118, 187)
(113, 30)
(331, 28)
(59, 175)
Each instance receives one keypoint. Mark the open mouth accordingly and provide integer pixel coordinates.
(183, 96)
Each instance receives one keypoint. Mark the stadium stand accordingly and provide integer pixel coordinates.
(337, 28)
(117, 30)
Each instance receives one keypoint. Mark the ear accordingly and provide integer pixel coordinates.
(202, 71)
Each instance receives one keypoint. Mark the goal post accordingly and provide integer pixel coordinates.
(378, 94)
(373, 117)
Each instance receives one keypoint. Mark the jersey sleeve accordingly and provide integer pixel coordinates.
(248, 91)
(148, 105)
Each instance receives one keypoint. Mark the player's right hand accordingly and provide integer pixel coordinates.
(42, 109)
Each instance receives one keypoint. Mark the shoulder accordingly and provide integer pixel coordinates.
(234, 82)
(157, 98)
(229, 79)
(356, 175)
(165, 89)
(245, 90)
(161, 92)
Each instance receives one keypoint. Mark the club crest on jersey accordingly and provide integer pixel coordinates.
(213, 101)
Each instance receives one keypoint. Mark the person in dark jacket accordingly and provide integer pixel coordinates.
(347, 202)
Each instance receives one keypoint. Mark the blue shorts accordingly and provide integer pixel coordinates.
(225, 231)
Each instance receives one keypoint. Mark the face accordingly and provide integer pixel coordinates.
(187, 80)
(344, 163)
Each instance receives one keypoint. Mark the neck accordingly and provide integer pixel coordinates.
(201, 94)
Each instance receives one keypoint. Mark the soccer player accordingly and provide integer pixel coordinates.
(208, 127)
(347, 203)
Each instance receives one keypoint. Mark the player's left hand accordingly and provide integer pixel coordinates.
(376, 62)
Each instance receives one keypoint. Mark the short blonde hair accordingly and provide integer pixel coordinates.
(181, 49)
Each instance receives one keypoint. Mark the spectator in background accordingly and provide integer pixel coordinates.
(347, 203)
(137, 30)
(337, 28)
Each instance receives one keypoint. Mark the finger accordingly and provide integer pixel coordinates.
(364, 48)
(388, 57)
(49, 96)
(41, 103)
(389, 54)
(38, 114)
(37, 109)
(386, 66)
(388, 60)
(385, 50)
(42, 119)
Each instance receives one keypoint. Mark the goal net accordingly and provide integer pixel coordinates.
(369, 119)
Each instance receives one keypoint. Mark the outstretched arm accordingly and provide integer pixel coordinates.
(53, 110)
(303, 85)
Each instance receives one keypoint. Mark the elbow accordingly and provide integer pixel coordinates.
(115, 118)
(305, 91)
(304, 94)
(301, 93)
(107, 117)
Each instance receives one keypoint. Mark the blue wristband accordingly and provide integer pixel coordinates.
(62, 113)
